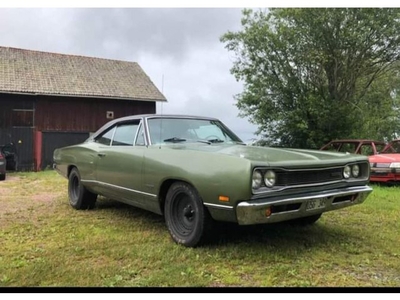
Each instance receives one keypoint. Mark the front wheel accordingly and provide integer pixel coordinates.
(79, 196)
(185, 215)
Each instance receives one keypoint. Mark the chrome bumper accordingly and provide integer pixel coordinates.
(283, 209)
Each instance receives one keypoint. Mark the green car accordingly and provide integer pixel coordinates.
(194, 171)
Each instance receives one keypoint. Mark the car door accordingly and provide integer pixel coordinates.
(119, 164)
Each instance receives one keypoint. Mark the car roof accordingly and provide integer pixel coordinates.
(132, 117)
(146, 116)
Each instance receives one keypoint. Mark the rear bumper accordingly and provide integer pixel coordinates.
(277, 209)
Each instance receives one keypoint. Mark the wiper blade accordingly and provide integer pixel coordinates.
(204, 141)
(175, 140)
(216, 141)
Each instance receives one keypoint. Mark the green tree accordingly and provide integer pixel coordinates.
(311, 74)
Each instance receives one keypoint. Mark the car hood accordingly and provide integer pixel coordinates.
(385, 158)
(270, 156)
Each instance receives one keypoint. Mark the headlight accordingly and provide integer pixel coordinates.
(269, 178)
(346, 172)
(395, 165)
(355, 170)
(256, 180)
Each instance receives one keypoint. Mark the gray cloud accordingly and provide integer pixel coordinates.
(180, 45)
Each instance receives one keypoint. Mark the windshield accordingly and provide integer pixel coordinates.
(177, 130)
(393, 147)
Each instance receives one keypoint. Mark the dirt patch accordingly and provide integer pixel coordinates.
(24, 194)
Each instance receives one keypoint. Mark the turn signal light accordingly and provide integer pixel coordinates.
(268, 212)
(223, 198)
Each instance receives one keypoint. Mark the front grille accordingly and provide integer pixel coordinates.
(377, 174)
(297, 178)
(287, 178)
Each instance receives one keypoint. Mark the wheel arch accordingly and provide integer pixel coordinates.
(69, 169)
(166, 184)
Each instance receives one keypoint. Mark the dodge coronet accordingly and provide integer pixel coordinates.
(195, 170)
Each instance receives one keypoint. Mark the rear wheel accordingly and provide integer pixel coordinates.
(185, 215)
(306, 220)
(2, 177)
(79, 196)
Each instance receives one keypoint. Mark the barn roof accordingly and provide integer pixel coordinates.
(35, 72)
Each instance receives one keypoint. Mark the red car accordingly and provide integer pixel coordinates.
(384, 158)
(363, 147)
(2, 166)
(385, 166)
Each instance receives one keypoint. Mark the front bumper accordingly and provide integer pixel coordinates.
(280, 209)
(385, 175)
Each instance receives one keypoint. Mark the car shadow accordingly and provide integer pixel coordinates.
(280, 236)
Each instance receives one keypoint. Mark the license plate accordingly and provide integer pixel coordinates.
(316, 203)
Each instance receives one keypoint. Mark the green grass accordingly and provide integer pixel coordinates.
(44, 242)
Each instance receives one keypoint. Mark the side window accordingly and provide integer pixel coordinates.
(348, 147)
(332, 147)
(140, 137)
(106, 137)
(379, 147)
(124, 135)
(366, 150)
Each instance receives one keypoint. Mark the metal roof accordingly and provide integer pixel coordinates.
(36, 72)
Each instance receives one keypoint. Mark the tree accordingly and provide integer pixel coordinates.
(311, 75)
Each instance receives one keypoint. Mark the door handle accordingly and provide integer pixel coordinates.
(101, 154)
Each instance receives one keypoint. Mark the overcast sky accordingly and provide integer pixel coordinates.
(178, 48)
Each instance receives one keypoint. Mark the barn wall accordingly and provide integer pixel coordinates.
(23, 140)
(11, 110)
(84, 115)
(8, 103)
(54, 140)
(59, 120)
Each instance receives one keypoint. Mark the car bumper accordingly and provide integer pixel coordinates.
(283, 209)
(384, 175)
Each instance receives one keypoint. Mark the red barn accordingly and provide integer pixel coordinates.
(50, 100)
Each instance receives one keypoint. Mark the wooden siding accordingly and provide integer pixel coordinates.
(84, 115)
(56, 115)
(8, 103)
(52, 113)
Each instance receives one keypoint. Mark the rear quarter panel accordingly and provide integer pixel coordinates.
(82, 156)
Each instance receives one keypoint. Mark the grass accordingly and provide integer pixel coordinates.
(44, 242)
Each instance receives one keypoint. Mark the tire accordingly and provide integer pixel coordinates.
(2, 177)
(309, 220)
(79, 196)
(187, 219)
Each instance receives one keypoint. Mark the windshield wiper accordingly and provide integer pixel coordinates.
(204, 141)
(216, 141)
(175, 140)
(210, 141)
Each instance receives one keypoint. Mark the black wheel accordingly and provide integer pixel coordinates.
(186, 217)
(2, 177)
(79, 196)
(306, 220)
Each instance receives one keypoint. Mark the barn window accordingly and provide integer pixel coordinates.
(110, 115)
(23, 117)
